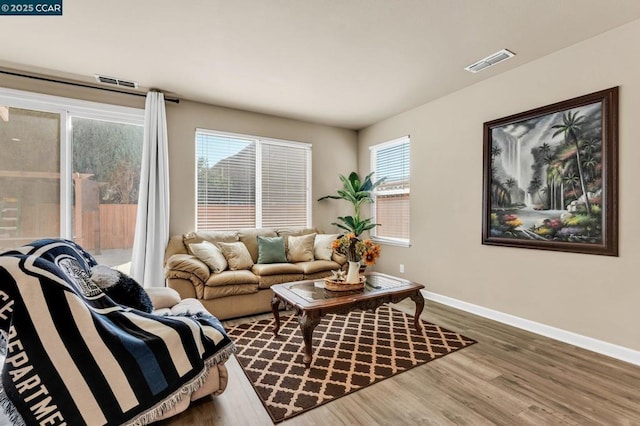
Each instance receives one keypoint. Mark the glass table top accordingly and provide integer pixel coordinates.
(314, 290)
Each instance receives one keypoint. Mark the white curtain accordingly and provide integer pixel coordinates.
(152, 223)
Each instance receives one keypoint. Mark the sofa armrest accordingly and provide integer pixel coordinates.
(189, 264)
(163, 297)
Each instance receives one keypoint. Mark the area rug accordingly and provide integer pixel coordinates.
(350, 352)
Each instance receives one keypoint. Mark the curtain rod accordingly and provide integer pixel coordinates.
(79, 84)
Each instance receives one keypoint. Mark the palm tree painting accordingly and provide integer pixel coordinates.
(550, 179)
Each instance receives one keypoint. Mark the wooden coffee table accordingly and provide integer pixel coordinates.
(311, 302)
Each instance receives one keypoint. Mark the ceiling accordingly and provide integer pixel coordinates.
(346, 63)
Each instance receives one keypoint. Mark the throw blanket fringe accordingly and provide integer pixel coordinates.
(169, 404)
(10, 409)
(5, 403)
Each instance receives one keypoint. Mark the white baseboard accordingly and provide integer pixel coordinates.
(609, 349)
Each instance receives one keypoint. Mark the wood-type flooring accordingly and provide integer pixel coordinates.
(510, 377)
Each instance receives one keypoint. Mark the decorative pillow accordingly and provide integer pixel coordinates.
(210, 255)
(301, 248)
(271, 250)
(237, 255)
(121, 288)
(322, 247)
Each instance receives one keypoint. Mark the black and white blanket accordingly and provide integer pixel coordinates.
(75, 357)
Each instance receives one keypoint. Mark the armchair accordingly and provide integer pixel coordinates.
(75, 356)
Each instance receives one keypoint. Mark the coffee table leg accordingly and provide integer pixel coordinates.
(308, 322)
(417, 297)
(275, 304)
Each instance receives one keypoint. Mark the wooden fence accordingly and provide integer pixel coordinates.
(113, 228)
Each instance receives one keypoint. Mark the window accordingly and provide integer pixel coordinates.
(246, 181)
(69, 169)
(107, 156)
(391, 161)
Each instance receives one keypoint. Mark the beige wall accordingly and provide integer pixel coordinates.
(595, 296)
(334, 151)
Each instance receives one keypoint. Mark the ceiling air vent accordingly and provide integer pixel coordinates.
(116, 81)
(490, 60)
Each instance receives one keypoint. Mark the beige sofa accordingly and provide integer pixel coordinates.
(236, 293)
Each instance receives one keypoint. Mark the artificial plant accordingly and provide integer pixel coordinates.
(356, 192)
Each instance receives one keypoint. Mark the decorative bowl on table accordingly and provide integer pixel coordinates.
(340, 285)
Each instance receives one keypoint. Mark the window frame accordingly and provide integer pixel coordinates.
(373, 150)
(258, 140)
(69, 108)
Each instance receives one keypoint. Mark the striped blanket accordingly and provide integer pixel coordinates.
(75, 357)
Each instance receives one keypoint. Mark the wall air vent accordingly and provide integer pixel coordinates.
(116, 81)
(490, 60)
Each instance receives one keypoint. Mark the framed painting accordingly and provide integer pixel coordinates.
(551, 177)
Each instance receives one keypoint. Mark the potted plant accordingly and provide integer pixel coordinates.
(356, 192)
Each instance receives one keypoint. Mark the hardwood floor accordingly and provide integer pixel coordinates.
(510, 377)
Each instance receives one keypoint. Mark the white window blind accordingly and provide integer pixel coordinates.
(391, 160)
(246, 182)
(284, 185)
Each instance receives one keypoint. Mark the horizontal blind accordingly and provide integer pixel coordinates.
(391, 208)
(226, 181)
(246, 182)
(284, 185)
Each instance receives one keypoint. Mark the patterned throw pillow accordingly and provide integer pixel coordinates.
(301, 248)
(210, 254)
(237, 255)
(121, 288)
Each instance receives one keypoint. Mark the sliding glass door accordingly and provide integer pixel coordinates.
(106, 176)
(29, 175)
(69, 169)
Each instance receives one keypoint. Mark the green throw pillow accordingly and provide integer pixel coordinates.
(271, 250)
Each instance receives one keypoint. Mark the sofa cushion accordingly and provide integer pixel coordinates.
(267, 281)
(250, 239)
(211, 236)
(176, 245)
(276, 269)
(287, 232)
(229, 290)
(318, 266)
(210, 254)
(300, 248)
(271, 250)
(323, 246)
(237, 255)
(231, 278)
